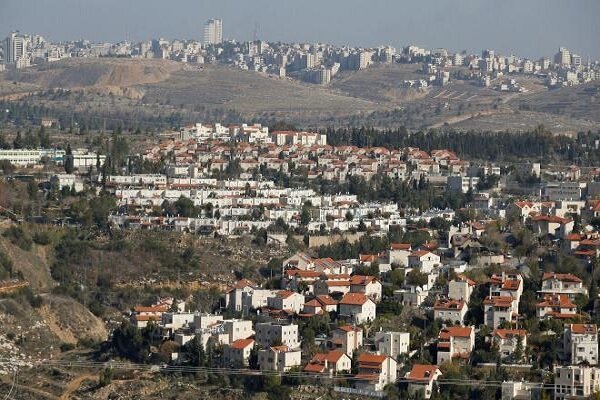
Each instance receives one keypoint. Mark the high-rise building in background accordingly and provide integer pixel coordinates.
(563, 57)
(15, 46)
(213, 31)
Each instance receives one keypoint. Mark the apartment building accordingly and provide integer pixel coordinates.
(392, 344)
(268, 333)
(455, 342)
(279, 358)
(581, 343)
(576, 382)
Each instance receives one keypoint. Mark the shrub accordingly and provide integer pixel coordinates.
(42, 238)
(64, 347)
(19, 237)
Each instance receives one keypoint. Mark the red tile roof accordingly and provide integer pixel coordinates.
(556, 300)
(354, 299)
(400, 246)
(242, 344)
(423, 372)
(455, 331)
(448, 304)
(561, 277)
(499, 301)
(583, 329)
(506, 333)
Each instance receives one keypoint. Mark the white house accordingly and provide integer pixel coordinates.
(455, 342)
(398, 254)
(368, 285)
(286, 300)
(461, 288)
(556, 306)
(279, 358)
(268, 333)
(237, 353)
(392, 344)
(423, 260)
(565, 284)
(581, 343)
(333, 362)
(507, 340)
(450, 310)
(358, 307)
(347, 338)
(576, 382)
(421, 378)
(497, 310)
(375, 371)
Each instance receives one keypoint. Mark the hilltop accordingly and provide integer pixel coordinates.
(160, 93)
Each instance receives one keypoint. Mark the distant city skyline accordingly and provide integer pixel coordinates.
(532, 28)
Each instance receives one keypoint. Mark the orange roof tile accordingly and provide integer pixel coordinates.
(242, 344)
(423, 372)
(354, 299)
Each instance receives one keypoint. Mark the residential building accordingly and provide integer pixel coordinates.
(286, 300)
(279, 358)
(347, 338)
(375, 371)
(268, 333)
(332, 362)
(498, 310)
(450, 310)
(507, 341)
(556, 306)
(357, 307)
(565, 284)
(455, 342)
(576, 382)
(392, 344)
(581, 343)
(421, 379)
(461, 288)
(423, 260)
(462, 183)
(213, 32)
(237, 353)
(367, 285)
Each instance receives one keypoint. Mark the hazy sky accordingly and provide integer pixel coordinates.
(526, 27)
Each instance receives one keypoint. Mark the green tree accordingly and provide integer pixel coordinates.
(68, 160)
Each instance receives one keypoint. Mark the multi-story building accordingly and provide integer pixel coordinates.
(462, 183)
(455, 342)
(565, 284)
(347, 338)
(556, 306)
(576, 382)
(507, 341)
(563, 57)
(461, 288)
(357, 307)
(237, 353)
(268, 333)
(286, 300)
(393, 344)
(279, 358)
(332, 363)
(498, 310)
(421, 378)
(450, 310)
(581, 343)
(375, 371)
(213, 32)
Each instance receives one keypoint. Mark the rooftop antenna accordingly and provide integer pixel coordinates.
(256, 31)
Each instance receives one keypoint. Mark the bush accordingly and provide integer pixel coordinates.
(42, 238)
(64, 347)
(19, 237)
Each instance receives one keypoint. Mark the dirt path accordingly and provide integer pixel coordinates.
(63, 334)
(464, 117)
(74, 385)
(39, 392)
